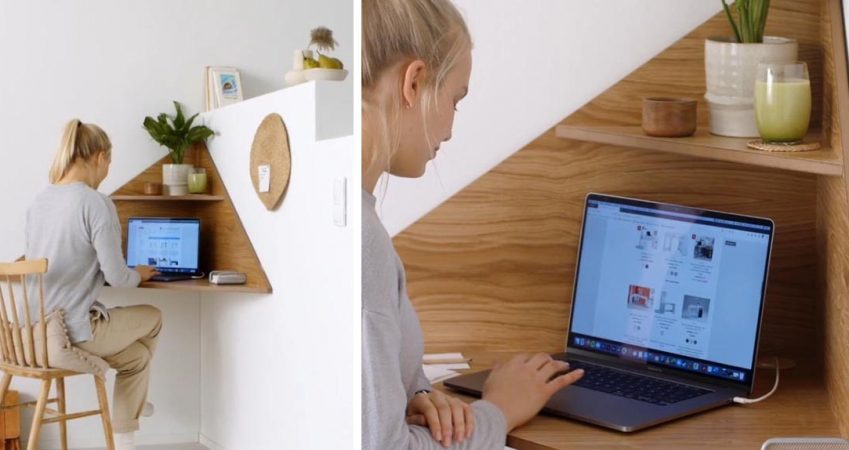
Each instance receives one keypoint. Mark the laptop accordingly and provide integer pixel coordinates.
(666, 313)
(172, 245)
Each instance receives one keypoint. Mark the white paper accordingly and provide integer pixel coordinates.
(442, 356)
(452, 366)
(435, 373)
(264, 175)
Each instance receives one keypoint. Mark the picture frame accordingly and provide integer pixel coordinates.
(223, 87)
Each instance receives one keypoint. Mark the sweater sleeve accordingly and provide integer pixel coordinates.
(105, 229)
(422, 383)
(385, 400)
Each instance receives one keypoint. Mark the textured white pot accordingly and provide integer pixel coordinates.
(730, 71)
(175, 179)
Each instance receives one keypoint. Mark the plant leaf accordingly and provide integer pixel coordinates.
(731, 20)
(199, 134)
(176, 134)
(179, 119)
(189, 122)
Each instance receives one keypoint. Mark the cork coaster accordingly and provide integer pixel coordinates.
(759, 144)
(270, 150)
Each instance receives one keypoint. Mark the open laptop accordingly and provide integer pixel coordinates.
(172, 245)
(666, 313)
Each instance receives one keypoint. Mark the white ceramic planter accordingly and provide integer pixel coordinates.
(175, 179)
(730, 70)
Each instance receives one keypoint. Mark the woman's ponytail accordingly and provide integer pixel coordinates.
(79, 141)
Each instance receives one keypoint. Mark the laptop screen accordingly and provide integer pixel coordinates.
(171, 245)
(671, 286)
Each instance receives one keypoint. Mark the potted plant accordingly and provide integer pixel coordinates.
(731, 64)
(177, 134)
(305, 67)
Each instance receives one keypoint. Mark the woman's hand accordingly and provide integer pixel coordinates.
(449, 418)
(146, 272)
(522, 386)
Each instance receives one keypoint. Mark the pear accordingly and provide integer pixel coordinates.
(329, 63)
(310, 63)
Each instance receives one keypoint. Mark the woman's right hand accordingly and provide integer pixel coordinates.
(146, 272)
(522, 386)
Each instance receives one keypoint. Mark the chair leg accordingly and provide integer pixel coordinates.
(100, 385)
(4, 386)
(39, 415)
(63, 426)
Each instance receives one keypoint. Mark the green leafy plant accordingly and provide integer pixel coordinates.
(176, 133)
(752, 19)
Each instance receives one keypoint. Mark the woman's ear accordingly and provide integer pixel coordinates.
(411, 86)
(103, 159)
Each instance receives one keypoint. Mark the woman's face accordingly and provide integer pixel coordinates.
(423, 129)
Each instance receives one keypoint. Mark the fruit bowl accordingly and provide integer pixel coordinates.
(325, 74)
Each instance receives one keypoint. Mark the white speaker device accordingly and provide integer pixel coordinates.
(227, 277)
(805, 443)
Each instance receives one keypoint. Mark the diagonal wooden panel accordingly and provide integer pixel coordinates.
(224, 242)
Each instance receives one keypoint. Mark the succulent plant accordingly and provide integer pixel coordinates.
(752, 19)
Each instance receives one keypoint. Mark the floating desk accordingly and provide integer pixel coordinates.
(800, 407)
(203, 285)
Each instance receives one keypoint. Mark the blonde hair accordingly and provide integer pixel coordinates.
(80, 141)
(430, 30)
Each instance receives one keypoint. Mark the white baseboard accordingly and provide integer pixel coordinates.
(97, 442)
(209, 443)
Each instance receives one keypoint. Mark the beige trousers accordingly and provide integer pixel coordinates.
(127, 341)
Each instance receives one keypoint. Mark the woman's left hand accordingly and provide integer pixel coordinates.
(448, 418)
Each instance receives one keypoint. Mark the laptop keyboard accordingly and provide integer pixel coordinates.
(633, 386)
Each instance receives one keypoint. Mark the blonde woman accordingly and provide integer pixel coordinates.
(416, 67)
(77, 229)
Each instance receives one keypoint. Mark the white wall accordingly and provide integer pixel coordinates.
(112, 63)
(534, 63)
(277, 368)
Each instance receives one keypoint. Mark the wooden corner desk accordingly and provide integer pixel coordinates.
(800, 407)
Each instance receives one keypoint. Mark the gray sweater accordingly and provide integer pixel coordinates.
(392, 354)
(77, 229)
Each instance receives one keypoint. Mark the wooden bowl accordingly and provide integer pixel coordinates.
(152, 188)
(669, 117)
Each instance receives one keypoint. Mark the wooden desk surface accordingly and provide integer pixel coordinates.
(800, 407)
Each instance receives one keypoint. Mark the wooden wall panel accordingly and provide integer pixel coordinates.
(833, 242)
(493, 267)
(833, 221)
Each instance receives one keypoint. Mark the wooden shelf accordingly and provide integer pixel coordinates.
(800, 407)
(168, 198)
(705, 145)
(204, 285)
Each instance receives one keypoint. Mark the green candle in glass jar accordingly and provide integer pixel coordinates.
(782, 103)
(197, 181)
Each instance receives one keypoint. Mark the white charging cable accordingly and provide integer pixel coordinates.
(748, 401)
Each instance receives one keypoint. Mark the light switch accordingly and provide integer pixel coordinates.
(264, 175)
(340, 201)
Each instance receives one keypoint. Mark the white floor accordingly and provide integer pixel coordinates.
(194, 446)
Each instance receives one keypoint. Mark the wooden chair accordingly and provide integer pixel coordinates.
(16, 339)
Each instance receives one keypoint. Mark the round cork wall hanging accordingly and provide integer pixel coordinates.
(271, 162)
